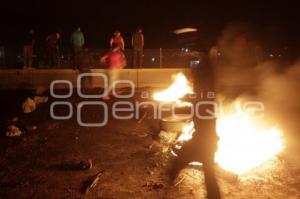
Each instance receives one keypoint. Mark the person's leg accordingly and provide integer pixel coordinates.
(112, 76)
(140, 58)
(135, 55)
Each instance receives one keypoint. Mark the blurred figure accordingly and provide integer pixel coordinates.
(114, 61)
(28, 49)
(117, 40)
(52, 49)
(137, 42)
(77, 41)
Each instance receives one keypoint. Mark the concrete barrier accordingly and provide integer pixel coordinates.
(31, 79)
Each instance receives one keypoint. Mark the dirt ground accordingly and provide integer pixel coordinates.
(44, 163)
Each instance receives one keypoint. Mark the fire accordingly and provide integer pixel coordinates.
(179, 88)
(187, 132)
(243, 144)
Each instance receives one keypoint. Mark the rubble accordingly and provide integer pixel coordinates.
(13, 131)
(92, 183)
(29, 105)
(87, 164)
(153, 185)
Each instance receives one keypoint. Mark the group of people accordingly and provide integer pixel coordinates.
(77, 42)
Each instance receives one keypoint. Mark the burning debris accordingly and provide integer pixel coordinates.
(176, 91)
(243, 145)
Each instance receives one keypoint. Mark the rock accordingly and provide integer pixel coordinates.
(86, 164)
(13, 131)
(29, 105)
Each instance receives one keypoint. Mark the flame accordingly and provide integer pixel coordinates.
(179, 88)
(187, 132)
(243, 144)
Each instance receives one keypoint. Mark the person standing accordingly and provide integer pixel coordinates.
(52, 48)
(137, 42)
(28, 49)
(117, 40)
(114, 60)
(77, 41)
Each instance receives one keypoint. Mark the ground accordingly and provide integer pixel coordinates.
(44, 163)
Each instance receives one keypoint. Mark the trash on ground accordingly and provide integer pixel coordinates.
(29, 105)
(153, 185)
(13, 131)
(92, 183)
(86, 164)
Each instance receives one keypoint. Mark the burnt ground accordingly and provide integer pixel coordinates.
(44, 163)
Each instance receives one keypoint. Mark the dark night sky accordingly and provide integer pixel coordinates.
(99, 19)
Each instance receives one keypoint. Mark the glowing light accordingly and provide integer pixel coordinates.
(187, 132)
(176, 91)
(185, 30)
(244, 145)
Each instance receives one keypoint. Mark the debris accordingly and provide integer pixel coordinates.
(87, 164)
(13, 131)
(29, 105)
(40, 99)
(179, 181)
(93, 182)
(167, 137)
(153, 185)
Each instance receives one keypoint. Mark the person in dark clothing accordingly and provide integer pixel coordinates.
(137, 43)
(28, 45)
(117, 40)
(205, 138)
(77, 41)
(52, 49)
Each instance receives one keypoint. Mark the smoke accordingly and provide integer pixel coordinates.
(243, 72)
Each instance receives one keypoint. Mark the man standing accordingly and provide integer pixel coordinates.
(28, 49)
(114, 61)
(52, 48)
(117, 40)
(137, 42)
(77, 41)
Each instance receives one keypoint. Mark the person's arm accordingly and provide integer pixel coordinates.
(103, 59)
(111, 42)
(142, 40)
(123, 43)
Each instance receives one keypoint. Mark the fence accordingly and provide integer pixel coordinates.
(152, 58)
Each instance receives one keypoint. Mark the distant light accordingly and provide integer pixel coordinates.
(279, 55)
(153, 59)
(219, 54)
(184, 30)
(271, 55)
(186, 50)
